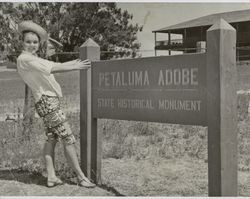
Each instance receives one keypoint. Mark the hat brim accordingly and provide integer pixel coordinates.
(33, 27)
(53, 41)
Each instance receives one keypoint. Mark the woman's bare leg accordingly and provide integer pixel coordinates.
(71, 155)
(49, 156)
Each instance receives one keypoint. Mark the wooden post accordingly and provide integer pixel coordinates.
(90, 140)
(155, 45)
(237, 50)
(221, 109)
(185, 42)
(169, 42)
(28, 112)
(200, 46)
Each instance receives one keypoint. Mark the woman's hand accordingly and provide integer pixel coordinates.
(82, 64)
(71, 65)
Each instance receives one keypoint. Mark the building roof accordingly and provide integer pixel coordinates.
(230, 17)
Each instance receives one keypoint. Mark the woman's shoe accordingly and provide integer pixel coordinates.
(53, 183)
(85, 183)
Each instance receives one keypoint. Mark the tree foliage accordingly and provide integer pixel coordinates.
(73, 23)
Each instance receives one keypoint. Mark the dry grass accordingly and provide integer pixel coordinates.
(140, 159)
(159, 177)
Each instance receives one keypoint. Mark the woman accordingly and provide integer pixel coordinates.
(37, 73)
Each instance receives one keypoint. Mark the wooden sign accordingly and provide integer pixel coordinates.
(169, 89)
(194, 89)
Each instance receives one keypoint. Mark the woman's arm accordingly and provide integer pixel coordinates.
(71, 65)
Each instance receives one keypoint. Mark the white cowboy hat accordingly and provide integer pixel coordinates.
(33, 27)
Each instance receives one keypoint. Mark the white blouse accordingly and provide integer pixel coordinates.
(36, 73)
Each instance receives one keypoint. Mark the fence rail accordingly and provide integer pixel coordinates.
(246, 48)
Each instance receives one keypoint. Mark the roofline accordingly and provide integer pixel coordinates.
(164, 30)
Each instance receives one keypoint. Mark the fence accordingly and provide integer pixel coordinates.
(242, 52)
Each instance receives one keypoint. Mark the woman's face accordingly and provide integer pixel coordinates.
(31, 42)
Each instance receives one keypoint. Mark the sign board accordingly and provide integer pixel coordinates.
(169, 89)
(193, 89)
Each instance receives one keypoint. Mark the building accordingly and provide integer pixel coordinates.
(192, 34)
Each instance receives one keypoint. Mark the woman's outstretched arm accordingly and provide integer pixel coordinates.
(71, 65)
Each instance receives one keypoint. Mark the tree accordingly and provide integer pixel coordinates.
(73, 23)
(12, 14)
(106, 24)
(8, 40)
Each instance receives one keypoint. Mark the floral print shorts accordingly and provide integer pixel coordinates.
(55, 122)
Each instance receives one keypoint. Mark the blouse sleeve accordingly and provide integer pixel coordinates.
(40, 65)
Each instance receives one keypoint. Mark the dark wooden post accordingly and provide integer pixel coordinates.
(90, 140)
(28, 112)
(155, 44)
(237, 50)
(185, 41)
(221, 109)
(169, 43)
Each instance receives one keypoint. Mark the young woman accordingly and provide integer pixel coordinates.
(37, 73)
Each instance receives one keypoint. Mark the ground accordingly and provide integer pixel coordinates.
(18, 183)
(126, 177)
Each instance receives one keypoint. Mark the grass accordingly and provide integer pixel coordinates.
(139, 159)
(162, 177)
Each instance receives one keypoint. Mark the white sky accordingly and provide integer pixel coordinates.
(154, 16)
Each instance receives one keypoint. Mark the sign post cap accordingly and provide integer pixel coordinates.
(90, 42)
(221, 24)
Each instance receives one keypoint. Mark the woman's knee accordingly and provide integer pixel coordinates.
(52, 139)
(67, 137)
(69, 140)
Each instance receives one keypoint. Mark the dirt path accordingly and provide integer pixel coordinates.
(16, 183)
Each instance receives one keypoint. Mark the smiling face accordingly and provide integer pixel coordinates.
(31, 42)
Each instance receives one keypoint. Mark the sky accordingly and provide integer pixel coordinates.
(154, 16)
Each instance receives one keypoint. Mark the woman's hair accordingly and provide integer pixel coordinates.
(28, 31)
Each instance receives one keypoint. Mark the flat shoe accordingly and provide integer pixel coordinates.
(53, 183)
(86, 183)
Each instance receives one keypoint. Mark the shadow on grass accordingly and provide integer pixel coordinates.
(102, 186)
(111, 189)
(27, 177)
(37, 179)
(22, 176)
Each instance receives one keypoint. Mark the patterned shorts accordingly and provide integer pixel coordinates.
(55, 122)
